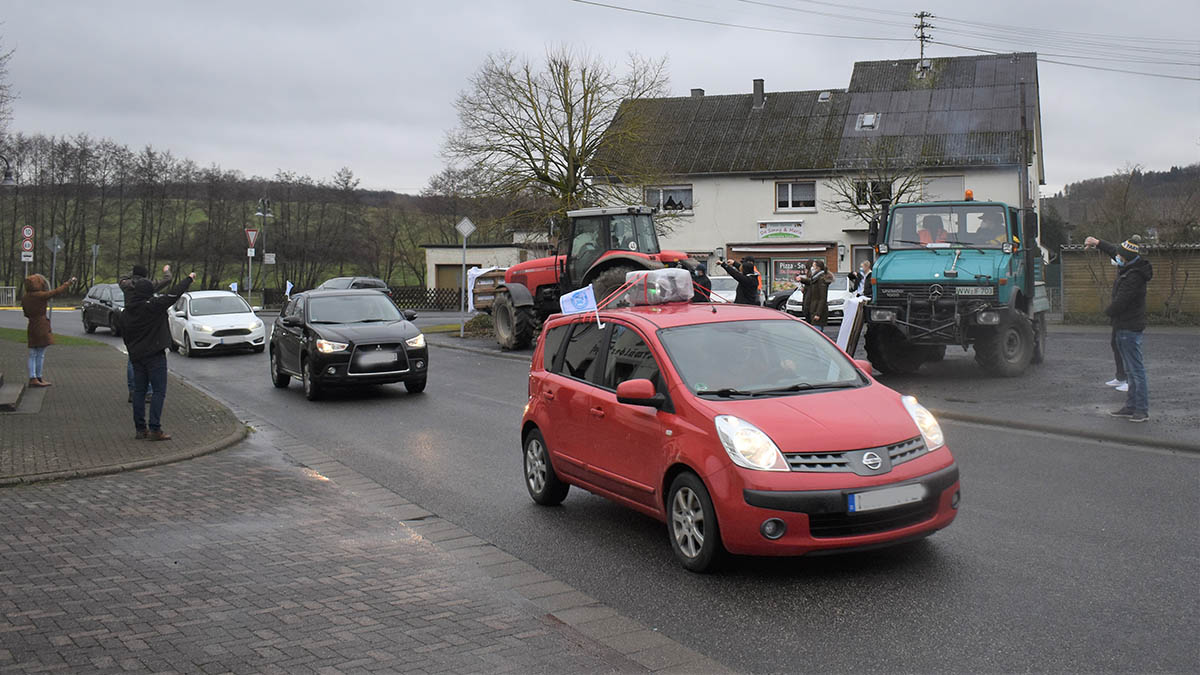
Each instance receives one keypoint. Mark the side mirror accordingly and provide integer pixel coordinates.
(256, 308)
(865, 365)
(639, 392)
(292, 321)
(181, 314)
(410, 314)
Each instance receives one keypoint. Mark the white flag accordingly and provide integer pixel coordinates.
(233, 287)
(578, 302)
(288, 291)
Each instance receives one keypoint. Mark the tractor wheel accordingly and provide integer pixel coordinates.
(1006, 351)
(608, 281)
(514, 325)
(1039, 338)
(890, 353)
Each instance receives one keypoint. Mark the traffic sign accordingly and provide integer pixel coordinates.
(268, 258)
(27, 232)
(27, 245)
(249, 253)
(251, 237)
(26, 256)
(465, 227)
(55, 244)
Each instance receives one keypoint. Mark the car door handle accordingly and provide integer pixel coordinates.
(598, 413)
(548, 395)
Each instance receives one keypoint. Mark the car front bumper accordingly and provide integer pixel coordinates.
(210, 342)
(820, 520)
(334, 369)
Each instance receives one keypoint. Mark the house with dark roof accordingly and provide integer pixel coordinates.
(750, 173)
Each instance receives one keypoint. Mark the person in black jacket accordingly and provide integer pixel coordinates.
(747, 278)
(702, 285)
(1127, 311)
(126, 285)
(147, 337)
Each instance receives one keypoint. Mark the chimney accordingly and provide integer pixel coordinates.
(758, 94)
(697, 93)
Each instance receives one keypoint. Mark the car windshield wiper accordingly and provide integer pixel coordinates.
(922, 244)
(725, 392)
(804, 386)
(323, 321)
(373, 320)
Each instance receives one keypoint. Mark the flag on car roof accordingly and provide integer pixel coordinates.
(233, 287)
(288, 290)
(579, 302)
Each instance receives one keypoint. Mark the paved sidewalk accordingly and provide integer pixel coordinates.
(83, 425)
(252, 560)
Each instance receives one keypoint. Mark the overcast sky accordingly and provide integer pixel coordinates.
(311, 86)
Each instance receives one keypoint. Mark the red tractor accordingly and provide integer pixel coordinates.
(601, 246)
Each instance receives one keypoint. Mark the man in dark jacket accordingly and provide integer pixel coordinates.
(126, 285)
(147, 337)
(816, 281)
(702, 285)
(747, 280)
(1127, 311)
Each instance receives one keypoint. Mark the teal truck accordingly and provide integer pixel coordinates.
(965, 273)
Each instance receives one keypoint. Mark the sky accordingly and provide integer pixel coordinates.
(311, 87)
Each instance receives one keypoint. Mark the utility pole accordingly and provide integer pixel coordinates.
(1023, 166)
(264, 212)
(922, 26)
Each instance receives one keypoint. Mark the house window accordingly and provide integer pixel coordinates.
(868, 121)
(670, 198)
(795, 196)
(870, 192)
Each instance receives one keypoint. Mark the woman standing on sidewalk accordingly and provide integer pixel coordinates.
(38, 336)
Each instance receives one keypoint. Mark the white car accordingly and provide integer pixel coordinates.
(205, 321)
(839, 293)
(724, 289)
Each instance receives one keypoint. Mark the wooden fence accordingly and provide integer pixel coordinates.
(1173, 293)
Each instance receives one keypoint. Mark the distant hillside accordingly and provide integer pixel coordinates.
(1161, 206)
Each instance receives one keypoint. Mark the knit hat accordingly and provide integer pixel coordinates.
(1130, 249)
(140, 271)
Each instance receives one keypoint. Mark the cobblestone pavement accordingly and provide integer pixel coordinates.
(271, 557)
(85, 425)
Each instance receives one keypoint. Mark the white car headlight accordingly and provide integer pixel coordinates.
(748, 446)
(328, 347)
(256, 325)
(836, 301)
(927, 424)
(202, 328)
(416, 342)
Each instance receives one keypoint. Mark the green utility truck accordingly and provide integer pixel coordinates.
(964, 273)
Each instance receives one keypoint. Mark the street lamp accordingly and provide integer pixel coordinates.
(264, 212)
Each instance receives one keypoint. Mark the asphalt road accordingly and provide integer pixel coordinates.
(1068, 555)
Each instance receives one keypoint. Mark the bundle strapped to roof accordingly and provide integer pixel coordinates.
(654, 287)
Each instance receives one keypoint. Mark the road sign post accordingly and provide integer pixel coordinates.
(27, 247)
(465, 227)
(251, 237)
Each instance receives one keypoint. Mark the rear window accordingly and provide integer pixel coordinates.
(553, 344)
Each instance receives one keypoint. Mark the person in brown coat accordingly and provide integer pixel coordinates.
(38, 336)
(816, 282)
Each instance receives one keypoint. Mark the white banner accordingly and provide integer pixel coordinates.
(850, 312)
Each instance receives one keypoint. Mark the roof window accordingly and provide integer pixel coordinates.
(823, 97)
(868, 121)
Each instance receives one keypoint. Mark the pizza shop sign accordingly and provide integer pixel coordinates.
(780, 229)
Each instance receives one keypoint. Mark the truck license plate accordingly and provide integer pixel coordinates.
(974, 290)
(887, 497)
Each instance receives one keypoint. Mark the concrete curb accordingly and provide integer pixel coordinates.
(1124, 439)
(235, 436)
(476, 350)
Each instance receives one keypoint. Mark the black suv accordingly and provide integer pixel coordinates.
(338, 283)
(347, 338)
(102, 306)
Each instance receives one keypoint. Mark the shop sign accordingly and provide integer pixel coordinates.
(779, 230)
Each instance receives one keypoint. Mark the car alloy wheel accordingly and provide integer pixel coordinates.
(312, 391)
(543, 483)
(185, 347)
(278, 378)
(692, 523)
(687, 522)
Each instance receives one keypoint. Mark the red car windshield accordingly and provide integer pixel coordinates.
(756, 358)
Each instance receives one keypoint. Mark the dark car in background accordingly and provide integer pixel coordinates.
(338, 283)
(102, 306)
(329, 338)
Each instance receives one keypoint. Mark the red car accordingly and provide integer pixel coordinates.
(747, 431)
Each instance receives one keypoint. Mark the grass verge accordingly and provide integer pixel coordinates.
(18, 335)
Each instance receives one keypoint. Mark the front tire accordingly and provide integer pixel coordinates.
(278, 378)
(890, 352)
(185, 347)
(514, 325)
(1007, 350)
(312, 390)
(88, 326)
(543, 484)
(114, 325)
(1039, 338)
(692, 523)
(416, 386)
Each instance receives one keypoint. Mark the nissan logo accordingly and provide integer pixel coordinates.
(935, 291)
(872, 461)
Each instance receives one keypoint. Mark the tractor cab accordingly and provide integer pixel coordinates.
(606, 233)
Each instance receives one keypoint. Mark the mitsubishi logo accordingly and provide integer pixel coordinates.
(872, 461)
(378, 348)
(935, 291)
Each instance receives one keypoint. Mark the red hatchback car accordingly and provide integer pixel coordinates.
(745, 430)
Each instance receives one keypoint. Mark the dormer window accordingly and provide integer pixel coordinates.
(823, 97)
(868, 121)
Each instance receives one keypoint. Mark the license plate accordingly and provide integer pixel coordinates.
(377, 358)
(974, 290)
(887, 497)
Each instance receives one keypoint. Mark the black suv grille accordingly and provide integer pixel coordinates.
(376, 359)
(870, 522)
(837, 462)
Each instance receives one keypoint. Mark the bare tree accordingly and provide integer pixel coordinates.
(881, 170)
(540, 128)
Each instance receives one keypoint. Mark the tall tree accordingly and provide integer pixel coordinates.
(881, 170)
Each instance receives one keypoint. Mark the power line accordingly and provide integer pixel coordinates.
(1049, 31)
(1074, 65)
(735, 25)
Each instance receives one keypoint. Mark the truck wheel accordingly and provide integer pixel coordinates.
(1007, 351)
(1039, 338)
(608, 281)
(890, 353)
(514, 325)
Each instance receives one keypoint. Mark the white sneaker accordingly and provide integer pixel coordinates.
(1115, 382)
(1124, 386)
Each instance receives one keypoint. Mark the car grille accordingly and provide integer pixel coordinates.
(231, 331)
(870, 522)
(837, 462)
(366, 359)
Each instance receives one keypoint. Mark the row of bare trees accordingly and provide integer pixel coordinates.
(151, 207)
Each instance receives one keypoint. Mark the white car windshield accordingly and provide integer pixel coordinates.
(225, 304)
(756, 358)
